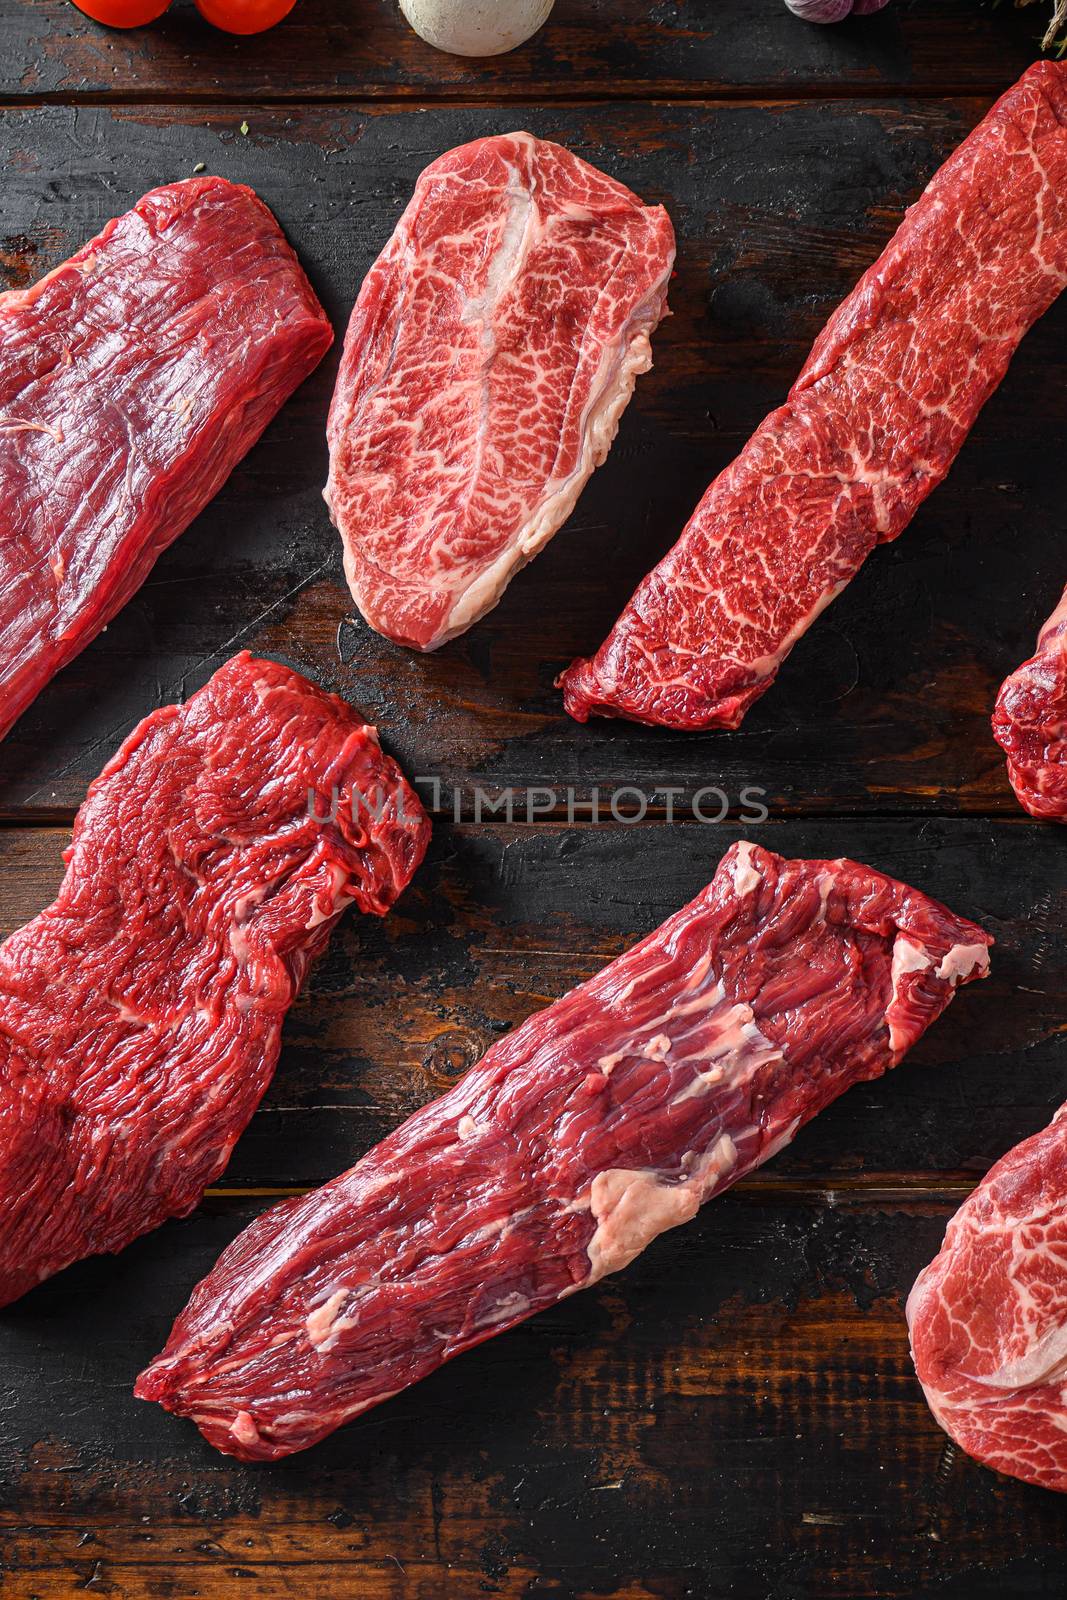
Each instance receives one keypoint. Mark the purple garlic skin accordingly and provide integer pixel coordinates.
(833, 10)
(820, 10)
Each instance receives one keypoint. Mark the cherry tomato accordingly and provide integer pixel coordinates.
(123, 13)
(244, 16)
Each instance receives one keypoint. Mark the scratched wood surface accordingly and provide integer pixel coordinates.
(735, 1416)
(778, 209)
(672, 48)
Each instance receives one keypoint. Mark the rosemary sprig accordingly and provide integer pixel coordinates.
(1059, 17)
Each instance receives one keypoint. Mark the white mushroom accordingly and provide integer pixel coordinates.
(476, 27)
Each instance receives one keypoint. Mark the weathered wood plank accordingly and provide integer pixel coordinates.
(364, 48)
(735, 1415)
(502, 920)
(884, 706)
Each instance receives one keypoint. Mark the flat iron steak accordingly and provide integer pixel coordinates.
(133, 378)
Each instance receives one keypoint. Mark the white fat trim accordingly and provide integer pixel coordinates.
(700, 972)
(686, 1008)
(961, 961)
(508, 258)
(745, 876)
(633, 1207)
(325, 1324)
(492, 1230)
(825, 883)
(907, 957)
(739, 1048)
(322, 1321)
(345, 1413)
(317, 917)
(248, 902)
(332, 1418)
(244, 1429)
(1044, 1362)
(506, 1309)
(703, 1083)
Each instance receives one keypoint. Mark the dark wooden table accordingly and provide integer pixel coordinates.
(735, 1415)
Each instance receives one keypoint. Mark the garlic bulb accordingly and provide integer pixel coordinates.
(833, 10)
(476, 27)
(820, 10)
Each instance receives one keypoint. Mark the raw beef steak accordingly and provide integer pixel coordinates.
(1030, 721)
(492, 350)
(988, 1316)
(141, 1013)
(133, 378)
(602, 1121)
(872, 424)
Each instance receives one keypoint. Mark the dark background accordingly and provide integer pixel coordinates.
(736, 1415)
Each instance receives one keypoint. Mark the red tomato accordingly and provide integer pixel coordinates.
(244, 16)
(123, 13)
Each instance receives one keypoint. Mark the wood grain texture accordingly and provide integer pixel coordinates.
(734, 1416)
(364, 49)
(884, 706)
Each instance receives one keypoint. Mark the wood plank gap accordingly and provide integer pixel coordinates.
(369, 98)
